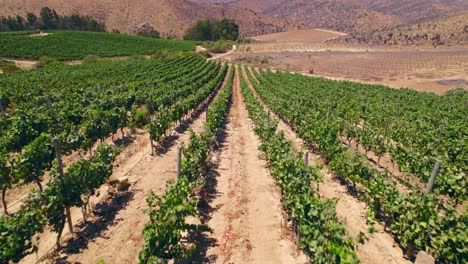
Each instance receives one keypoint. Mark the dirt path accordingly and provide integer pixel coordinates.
(381, 247)
(247, 219)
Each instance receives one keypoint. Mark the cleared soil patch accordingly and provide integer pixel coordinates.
(310, 36)
(41, 34)
(432, 71)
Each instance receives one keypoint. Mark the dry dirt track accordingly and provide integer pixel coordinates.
(247, 218)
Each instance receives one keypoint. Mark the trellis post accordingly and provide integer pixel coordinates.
(435, 170)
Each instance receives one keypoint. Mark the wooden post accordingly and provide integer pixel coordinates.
(328, 113)
(386, 129)
(306, 162)
(268, 114)
(60, 170)
(207, 112)
(148, 109)
(179, 161)
(435, 170)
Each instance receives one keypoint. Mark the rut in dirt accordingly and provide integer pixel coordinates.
(246, 218)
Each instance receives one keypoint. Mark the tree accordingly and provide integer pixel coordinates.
(225, 29)
(213, 30)
(32, 22)
(49, 18)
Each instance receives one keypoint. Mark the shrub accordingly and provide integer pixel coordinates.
(90, 59)
(45, 62)
(9, 68)
(220, 46)
(139, 118)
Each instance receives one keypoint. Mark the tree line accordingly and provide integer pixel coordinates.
(213, 30)
(49, 19)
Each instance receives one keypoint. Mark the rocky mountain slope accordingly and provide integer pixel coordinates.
(339, 15)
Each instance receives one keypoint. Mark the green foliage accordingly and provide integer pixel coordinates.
(5, 63)
(73, 45)
(46, 62)
(90, 59)
(50, 20)
(161, 122)
(213, 30)
(322, 235)
(220, 46)
(80, 104)
(322, 112)
(8, 68)
(167, 227)
(149, 33)
(48, 207)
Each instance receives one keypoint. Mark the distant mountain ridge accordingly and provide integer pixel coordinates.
(170, 17)
(351, 16)
(364, 20)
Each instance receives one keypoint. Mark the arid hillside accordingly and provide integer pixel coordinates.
(170, 17)
(412, 11)
(362, 18)
(256, 5)
(339, 15)
(452, 30)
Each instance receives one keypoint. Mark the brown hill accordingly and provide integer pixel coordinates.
(339, 15)
(413, 11)
(452, 30)
(170, 17)
(256, 5)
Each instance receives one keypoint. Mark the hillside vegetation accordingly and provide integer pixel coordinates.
(71, 45)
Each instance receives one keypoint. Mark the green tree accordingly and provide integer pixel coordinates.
(49, 18)
(213, 30)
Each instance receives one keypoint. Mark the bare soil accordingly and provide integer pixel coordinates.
(380, 247)
(309, 36)
(40, 34)
(431, 71)
(310, 52)
(247, 218)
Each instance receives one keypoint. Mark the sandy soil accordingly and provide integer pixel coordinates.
(380, 246)
(40, 34)
(308, 35)
(247, 218)
(309, 52)
(433, 71)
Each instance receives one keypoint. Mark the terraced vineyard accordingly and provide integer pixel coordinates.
(183, 159)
